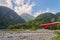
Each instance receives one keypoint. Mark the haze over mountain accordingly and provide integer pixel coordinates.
(27, 17)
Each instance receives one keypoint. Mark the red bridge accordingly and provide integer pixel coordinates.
(44, 26)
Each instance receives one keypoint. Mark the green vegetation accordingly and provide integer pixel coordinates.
(36, 24)
(10, 20)
(46, 18)
(9, 17)
(56, 37)
(30, 25)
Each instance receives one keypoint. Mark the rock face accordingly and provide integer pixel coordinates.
(27, 35)
(8, 16)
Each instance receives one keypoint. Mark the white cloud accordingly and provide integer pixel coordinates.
(37, 13)
(47, 10)
(6, 3)
(22, 6)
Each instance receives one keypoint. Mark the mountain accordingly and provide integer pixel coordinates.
(58, 16)
(8, 17)
(27, 17)
(46, 18)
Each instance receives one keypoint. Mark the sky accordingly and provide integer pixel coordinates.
(32, 7)
(51, 5)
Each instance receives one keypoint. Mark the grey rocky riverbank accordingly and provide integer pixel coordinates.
(41, 34)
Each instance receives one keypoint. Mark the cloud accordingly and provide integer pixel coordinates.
(41, 12)
(47, 10)
(6, 3)
(20, 6)
(23, 7)
(44, 11)
(37, 13)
